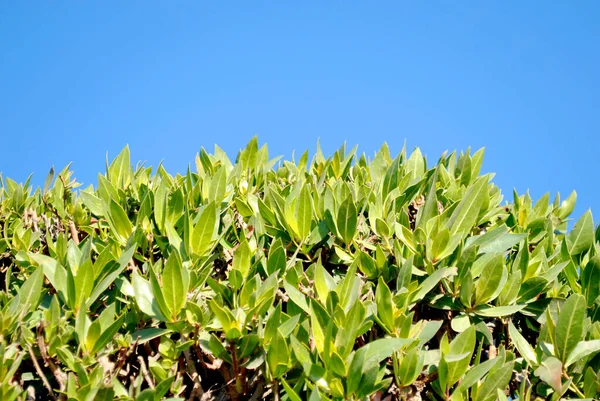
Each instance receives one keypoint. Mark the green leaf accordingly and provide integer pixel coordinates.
(119, 221)
(430, 208)
(474, 375)
(304, 213)
(569, 327)
(498, 311)
(278, 356)
(108, 280)
(582, 350)
(93, 334)
(107, 335)
(205, 230)
(590, 280)
(498, 380)
(465, 215)
(119, 170)
(144, 297)
(276, 260)
(96, 205)
(31, 291)
(174, 288)
(581, 238)
(347, 220)
(411, 366)
(486, 288)
(522, 345)
(160, 205)
(218, 186)
(144, 335)
(457, 360)
(289, 391)
(369, 356)
(432, 281)
(241, 258)
(296, 296)
(567, 206)
(385, 308)
(84, 282)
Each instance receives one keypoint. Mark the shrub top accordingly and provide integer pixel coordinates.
(336, 278)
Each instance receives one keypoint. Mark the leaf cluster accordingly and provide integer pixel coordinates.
(338, 278)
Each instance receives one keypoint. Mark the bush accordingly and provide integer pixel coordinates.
(339, 278)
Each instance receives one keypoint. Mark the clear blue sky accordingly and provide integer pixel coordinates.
(80, 78)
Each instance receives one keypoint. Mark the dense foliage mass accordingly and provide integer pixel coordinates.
(338, 278)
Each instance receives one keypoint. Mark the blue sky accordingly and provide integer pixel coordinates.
(79, 79)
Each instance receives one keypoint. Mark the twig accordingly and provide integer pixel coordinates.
(59, 375)
(74, 233)
(197, 390)
(40, 373)
(145, 373)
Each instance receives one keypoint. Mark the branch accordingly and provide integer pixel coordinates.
(40, 373)
(59, 375)
(145, 373)
(197, 391)
(74, 233)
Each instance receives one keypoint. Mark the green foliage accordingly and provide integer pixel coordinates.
(339, 278)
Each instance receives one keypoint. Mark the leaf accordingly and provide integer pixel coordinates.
(289, 391)
(457, 360)
(205, 230)
(550, 371)
(119, 221)
(144, 335)
(581, 238)
(590, 281)
(218, 186)
(241, 258)
(347, 220)
(497, 380)
(276, 260)
(144, 297)
(119, 170)
(460, 323)
(385, 308)
(498, 311)
(430, 282)
(107, 335)
(411, 366)
(160, 205)
(49, 179)
(474, 375)
(31, 290)
(54, 272)
(582, 350)
(567, 206)
(174, 287)
(522, 345)
(96, 205)
(93, 334)
(304, 213)
(110, 278)
(278, 356)
(486, 288)
(497, 240)
(531, 288)
(369, 356)
(430, 208)
(84, 282)
(465, 215)
(569, 327)
(296, 296)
